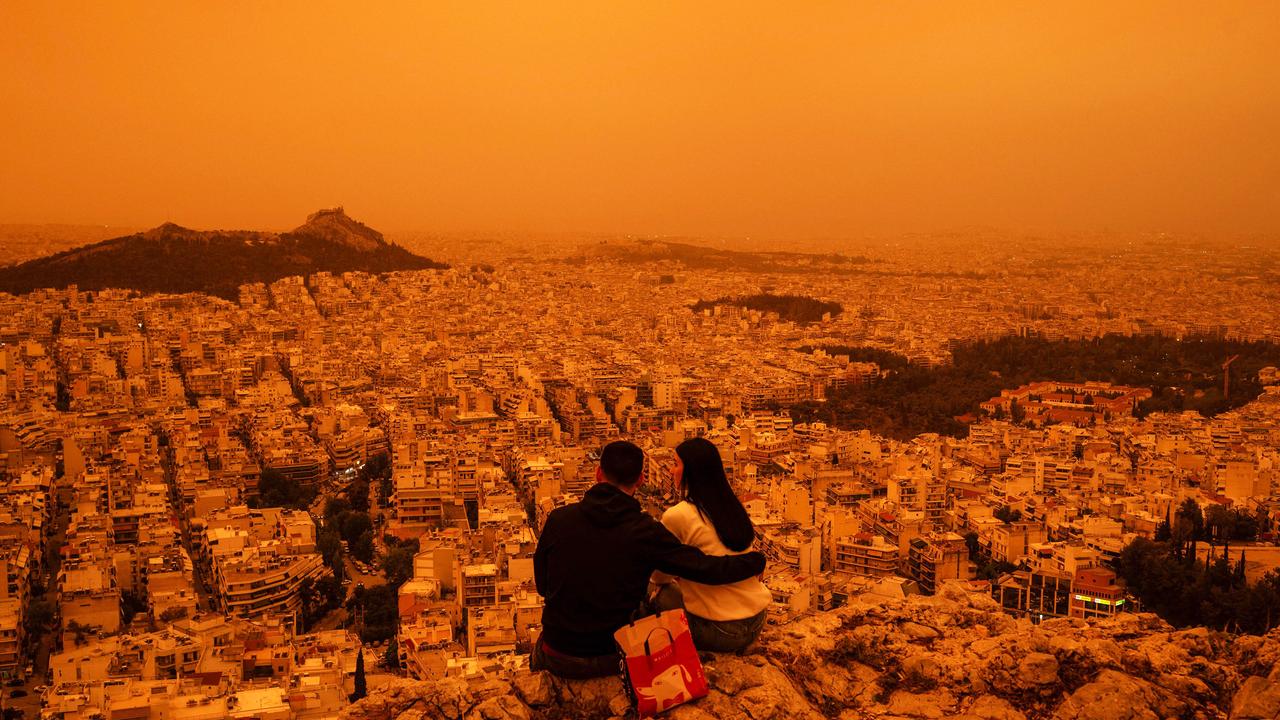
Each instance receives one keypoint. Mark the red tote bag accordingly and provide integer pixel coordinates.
(663, 669)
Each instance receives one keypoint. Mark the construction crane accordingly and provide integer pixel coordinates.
(1226, 376)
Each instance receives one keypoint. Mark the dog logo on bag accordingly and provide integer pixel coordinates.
(670, 687)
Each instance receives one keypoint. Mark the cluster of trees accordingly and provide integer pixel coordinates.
(1167, 575)
(38, 618)
(1006, 514)
(319, 598)
(376, 607)
(910, 400)
(345, 520)
(343, 523)
(397, 563)
(275, 489)
(378, 470)
(794, 308)
(346, 517)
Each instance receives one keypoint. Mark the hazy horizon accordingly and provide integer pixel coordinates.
(714, 120)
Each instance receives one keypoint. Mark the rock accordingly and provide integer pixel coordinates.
(689, 711)
(503, 707)
(591, 696)
(1116, 696)
(922, 667)
(989, 707)
(902, 659)
(1104, 651)
(985, 646)
(1257, 699)
(1059, 644)
(927, 705)
(916, 631)
(1038, 669)
(534, 688)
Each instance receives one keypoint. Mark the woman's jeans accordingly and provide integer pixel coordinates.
(713, 635)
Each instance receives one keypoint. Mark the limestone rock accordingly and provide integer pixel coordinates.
(954, 655)
(1116, 696)
(534, 688)
(989, 707)
(1038, 669)
(1258, 699)
(916, 631)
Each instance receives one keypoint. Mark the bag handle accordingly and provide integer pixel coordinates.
(670, 638)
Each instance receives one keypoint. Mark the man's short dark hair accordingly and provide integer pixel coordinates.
(622, 462)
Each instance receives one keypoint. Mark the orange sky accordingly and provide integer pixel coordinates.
(790, 120)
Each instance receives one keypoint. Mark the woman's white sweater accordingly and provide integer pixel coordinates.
(735, 601)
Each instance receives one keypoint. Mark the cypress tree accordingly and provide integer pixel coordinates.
(1164, 530)
(360, 688)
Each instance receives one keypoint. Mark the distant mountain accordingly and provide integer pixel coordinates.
(174, 259)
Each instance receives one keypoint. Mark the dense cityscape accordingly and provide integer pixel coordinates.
(610, 361)
(263, 508)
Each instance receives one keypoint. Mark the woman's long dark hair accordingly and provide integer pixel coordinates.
(706, 486)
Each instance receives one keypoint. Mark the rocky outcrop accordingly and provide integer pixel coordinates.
(948, 656)
(335, 226)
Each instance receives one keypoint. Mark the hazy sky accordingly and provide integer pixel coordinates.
(787, 119)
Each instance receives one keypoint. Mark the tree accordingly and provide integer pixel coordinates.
(330, 591)
(360, 689)
(275, 489)
(1220, 522)
(1006, 514)
(329, 546)
(309, 598)
(177, 612)
(362, 548)
(131, 603)
(1188, 526)
(39, 617)
(1164, 530)
(358, 495)
(385, 489)
(355, 524)
(1016, 412)
(377, 611)
(392, 658)
(335, 507)
(397, 565)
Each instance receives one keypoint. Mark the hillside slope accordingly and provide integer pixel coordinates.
(174, 259)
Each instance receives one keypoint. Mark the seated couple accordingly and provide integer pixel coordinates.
(595, 560)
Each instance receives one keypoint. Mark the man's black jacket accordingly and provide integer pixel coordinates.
(593, 563)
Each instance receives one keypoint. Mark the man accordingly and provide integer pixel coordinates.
(593, 563)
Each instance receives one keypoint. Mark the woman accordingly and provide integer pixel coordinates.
(722, 618)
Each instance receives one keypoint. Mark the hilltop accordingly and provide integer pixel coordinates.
(954, 655)
(174, 259)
